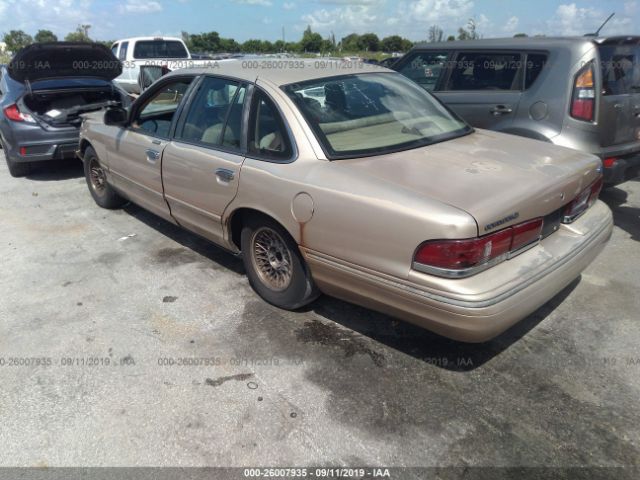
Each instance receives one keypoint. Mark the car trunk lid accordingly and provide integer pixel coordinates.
(43, 61)
(499, 179)
(620, 99)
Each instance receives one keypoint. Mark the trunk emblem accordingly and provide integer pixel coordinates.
(502, 221)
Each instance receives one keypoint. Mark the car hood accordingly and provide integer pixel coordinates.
(42, 61)
(499, 179)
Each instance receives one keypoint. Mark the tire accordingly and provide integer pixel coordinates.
(280, 276)
(103, 193)
(16, 169)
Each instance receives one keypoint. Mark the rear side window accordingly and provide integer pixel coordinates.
(536, 62)
(114, 49)
(620, 69)
(159, 49)
(425, 68)
(267, 134)
(485, 71)
(123, 51)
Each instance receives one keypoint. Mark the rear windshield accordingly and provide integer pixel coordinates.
(373, 113)
(620, 69)
(159, 49)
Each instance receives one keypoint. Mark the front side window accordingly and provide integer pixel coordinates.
(620, 69)
(267, 133)
(373, 113)
(215, 115)
(485, 71)
(156, 115)
(146, 49)
(123, 51)
(425, 68)
(114, 49)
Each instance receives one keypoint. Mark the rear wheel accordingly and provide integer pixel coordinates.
(16, 169)
(103, 193)
(274, 265)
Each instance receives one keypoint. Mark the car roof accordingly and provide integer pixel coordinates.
(528, 42)
(282, 71)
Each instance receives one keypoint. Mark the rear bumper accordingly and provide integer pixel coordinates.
(477, 308)
(622, 170)
(40, 145)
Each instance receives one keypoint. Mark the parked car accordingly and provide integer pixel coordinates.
(582, 92)
(167, 52)
(375, 193)
(44, 90)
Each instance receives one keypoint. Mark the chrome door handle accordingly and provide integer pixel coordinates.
(152, 155)
(500, 110)
(225, 175)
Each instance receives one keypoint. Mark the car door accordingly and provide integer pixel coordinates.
(484, 88)
(135, 157)
(201, 165)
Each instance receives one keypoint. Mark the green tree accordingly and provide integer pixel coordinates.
(350, 43)
(369, 42)
(311, 41)
(229, 45)
(80, 35)
(205, 42)
(391, 44)
(252, 46)
(451, 38)
(16, 40)
(520, 35)
(45, 36)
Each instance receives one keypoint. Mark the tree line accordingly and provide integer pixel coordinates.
(311, 42)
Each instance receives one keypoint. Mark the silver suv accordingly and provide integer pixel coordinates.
(581, 92)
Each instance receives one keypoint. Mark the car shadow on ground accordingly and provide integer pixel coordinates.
(404, 337)
(422, 344)
(56, 170)
(624, 217)
(187, 239)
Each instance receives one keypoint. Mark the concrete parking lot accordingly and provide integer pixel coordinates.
(98, 308)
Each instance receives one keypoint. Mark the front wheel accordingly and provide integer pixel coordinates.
(103, 193)
(274, 265)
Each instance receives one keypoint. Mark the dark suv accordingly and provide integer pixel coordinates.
(582, 92)
(43, 92)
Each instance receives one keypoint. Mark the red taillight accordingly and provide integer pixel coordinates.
(584, 200)
(609, 162)
(457, 258)
(463, 254)
(526, 233)
(584, 95)
(15, 115)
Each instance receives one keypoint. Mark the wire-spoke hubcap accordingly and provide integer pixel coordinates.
(271, 259)
(97, 177)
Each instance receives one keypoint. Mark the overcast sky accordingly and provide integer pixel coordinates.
(265, 19)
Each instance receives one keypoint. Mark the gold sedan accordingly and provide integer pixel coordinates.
(350, 180)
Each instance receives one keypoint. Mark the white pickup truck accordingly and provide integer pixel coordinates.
(156, 55)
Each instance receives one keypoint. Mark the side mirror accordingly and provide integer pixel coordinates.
(116, 116)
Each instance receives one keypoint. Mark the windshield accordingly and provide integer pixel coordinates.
(373, 113)
(159, 49)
